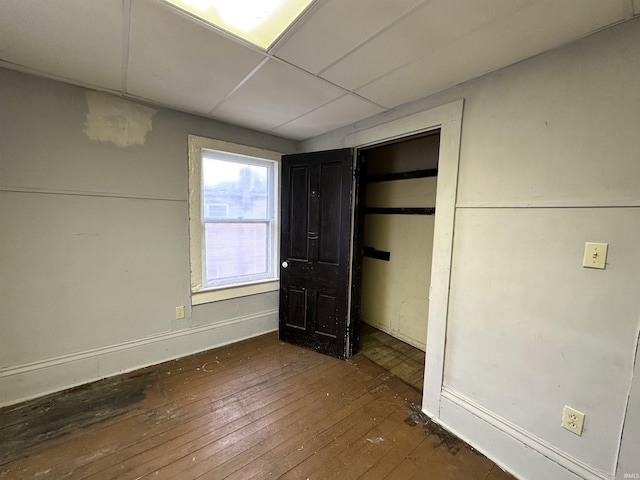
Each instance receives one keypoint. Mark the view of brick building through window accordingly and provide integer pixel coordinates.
(236, 212)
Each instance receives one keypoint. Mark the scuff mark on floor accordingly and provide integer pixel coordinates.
(447, 439)
(31, 423)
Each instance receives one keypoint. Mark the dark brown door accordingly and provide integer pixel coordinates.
(314, 250)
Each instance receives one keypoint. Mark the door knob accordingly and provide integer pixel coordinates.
(285, 264)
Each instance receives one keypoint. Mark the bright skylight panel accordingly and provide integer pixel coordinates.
(260, 22)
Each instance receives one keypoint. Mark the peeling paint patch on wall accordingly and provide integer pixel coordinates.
(115, 120)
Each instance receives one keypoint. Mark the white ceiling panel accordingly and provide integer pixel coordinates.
(315, 46)
(540, 27)
(181, 63)
(431, 27)
(276, 94)
(387, 51)
(73, 39)
(343, 111)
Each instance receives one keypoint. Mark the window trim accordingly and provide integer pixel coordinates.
(201, 294)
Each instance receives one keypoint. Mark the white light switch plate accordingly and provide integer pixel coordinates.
(595, 255)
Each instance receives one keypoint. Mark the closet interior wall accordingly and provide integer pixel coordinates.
(398, 236)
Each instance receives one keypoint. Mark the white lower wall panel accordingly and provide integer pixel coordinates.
(509, 453)
(35, 379)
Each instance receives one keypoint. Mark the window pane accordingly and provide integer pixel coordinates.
(234, 190)
(235, 249)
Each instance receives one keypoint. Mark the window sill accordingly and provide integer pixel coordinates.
(209, 296)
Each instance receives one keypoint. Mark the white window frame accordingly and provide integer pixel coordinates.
(200, 293)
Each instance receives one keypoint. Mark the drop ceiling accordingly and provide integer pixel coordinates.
(341, 62)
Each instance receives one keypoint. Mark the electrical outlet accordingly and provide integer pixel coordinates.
(179, 312)
(572, 420)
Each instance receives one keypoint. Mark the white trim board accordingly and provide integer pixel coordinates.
(35, 379)
(516, 434)
(448, 118)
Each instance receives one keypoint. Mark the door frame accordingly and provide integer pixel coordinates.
(448, 119)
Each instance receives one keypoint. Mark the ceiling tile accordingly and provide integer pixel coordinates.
(73, 39)
(343, 111)
(544, 25)
(337, 28)
(181, 63)
(276, 94)
(431, 27)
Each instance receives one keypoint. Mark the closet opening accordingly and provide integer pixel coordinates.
(395, 211)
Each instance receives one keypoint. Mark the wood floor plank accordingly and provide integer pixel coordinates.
(405, 440)
(219, 463)
(446, 465)
(344, 455)
(303, 464)
(373, 446)
(418, 457)
(497, 473)
(153, 422)
(257, 409)
(251, 413)
(338, 428)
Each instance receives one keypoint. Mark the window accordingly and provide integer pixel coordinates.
(233, 192)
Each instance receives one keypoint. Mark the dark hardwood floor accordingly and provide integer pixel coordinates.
(257, 409)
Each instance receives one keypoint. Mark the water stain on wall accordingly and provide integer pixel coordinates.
(115, 120)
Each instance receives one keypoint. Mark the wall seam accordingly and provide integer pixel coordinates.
(78, 193)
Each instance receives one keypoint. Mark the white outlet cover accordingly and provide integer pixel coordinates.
(595, 255)
(572, 420)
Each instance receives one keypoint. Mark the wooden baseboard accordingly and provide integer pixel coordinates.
(23, 382)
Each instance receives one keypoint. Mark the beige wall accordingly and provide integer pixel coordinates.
(549, 160)
(94, 238)
(395, 293)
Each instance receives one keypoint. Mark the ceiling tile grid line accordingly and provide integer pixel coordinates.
(297, 24)
(308, 112)
(339, 27)
(513, 9)
(288, 122)
(240, 84)
(457, 41)
(180, 62)
(267, 54)
(376, 34)
(208, 26)
(300, 70)
(275, 94)
(449, 70)
(341, 61)
(324, 80)
(344, 111)
(409, 69)
(18, 67)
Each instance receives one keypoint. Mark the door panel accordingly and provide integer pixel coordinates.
(331, 185)
(299, 182)
(325, 310)
(315, 240)
(297, 314)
